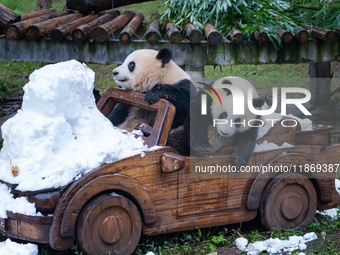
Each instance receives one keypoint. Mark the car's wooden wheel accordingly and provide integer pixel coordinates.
(109, 224)
(288, 202)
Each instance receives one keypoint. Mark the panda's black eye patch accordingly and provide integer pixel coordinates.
(131, 66)
(226, 82)
(228, 91)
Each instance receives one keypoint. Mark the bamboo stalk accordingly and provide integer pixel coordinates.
(173, 33)
(102, 33)
(236, 36)
(35, 14)
(7, 16)
(152, 33)
(301, 35)
(192, 33)
(261, 37)
(99, 5)
(60, 33)
(37, 31)
(127, 33)
(17, 30)
(212, 34)
(84, 31)
(285, 35)
(320, 33)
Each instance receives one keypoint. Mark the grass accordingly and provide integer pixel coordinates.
(26, 6)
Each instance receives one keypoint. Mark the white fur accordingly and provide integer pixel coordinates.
(148, 72)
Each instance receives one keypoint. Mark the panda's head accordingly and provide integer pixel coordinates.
(144, 69)
(225, 111)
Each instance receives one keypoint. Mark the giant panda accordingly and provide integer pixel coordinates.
(241, 137)
(157, 76)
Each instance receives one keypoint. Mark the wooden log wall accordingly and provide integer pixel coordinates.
(130, 30)
(84, 31)
(152, 34)
(128, 26)
(7, 16)
(37, 31)
(60, 33)
(17, 30)
(102, 33)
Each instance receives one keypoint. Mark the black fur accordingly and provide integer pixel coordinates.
(244, 144)
(96, 94)
(199, 140)
(119, 113)
(177, 94)
(164, 55)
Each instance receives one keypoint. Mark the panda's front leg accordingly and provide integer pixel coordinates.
(244, 144)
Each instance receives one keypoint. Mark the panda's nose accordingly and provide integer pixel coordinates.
(223, 115)
(115, 73)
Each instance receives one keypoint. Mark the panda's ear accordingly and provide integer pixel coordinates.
(258, 102)
(164, 55)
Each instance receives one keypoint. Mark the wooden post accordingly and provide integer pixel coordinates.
(7, 16)
(320, 80)
(35, 14)
(60, 33)
(99, 5)
(212, 34)
(236, 36)
(285, 35)
(301, 35)
(17, 30)
(320, 33)
(261, 37)
(152, 33)
(102, 33)
(37, 31)
(192, 33)
(127, 33)
(84, 31)
(173, 33)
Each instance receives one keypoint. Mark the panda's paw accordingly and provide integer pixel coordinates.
(239, 162)
(154, 95)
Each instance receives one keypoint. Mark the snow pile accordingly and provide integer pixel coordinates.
(8, 247)
(15, 205)
(59, 133)
(265, 146)
(275, 245)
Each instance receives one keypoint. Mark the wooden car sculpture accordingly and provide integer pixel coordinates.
(108, 209)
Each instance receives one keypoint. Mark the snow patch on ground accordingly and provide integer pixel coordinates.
(12, 248)
(275, 245)
(59, 133)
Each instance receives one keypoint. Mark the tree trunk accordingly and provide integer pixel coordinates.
(44, 4)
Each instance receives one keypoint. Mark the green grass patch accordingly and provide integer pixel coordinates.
(26, 6)
(13, 76)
